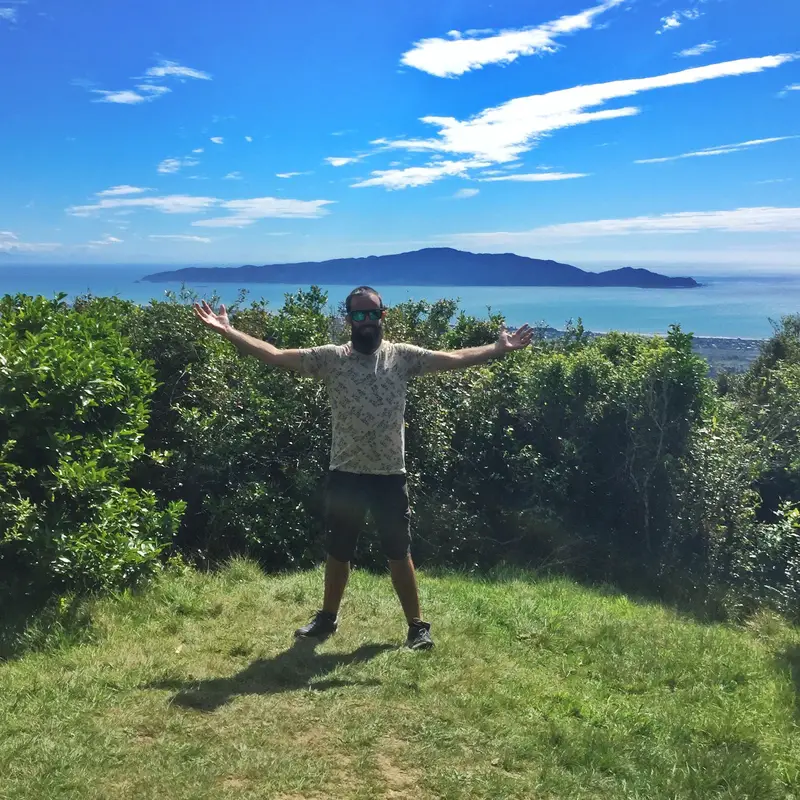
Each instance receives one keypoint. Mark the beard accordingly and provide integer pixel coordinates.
(366, 338)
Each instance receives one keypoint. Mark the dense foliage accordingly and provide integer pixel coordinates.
(124, 427)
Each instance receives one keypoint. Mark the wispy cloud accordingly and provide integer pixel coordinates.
(741, 220)
(10, 243)
(697, 50)
(248, 138)
(167, 204)
(171, 165)
(792, 87)
(720, 150)
(774, 180)
(180, 237)
(120, 190)
(106, 240)
(233, 176)
(291, 174)
(336, 161)
(172, 69)
(150, 87)
(462, 52)
(419, 176)
(8, 14)
(218, 139)
(130, 97)
(246, 212)
(536, 177)
(465, 194)
(676, 19)
(198, 150)
(503, 133)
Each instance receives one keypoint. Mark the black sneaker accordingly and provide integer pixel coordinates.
(419, 637)
(323, 625)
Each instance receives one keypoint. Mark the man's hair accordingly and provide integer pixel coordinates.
(359, 291)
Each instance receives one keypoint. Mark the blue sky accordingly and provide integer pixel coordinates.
(599, 132)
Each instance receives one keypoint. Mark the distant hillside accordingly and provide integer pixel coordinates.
(436, 266)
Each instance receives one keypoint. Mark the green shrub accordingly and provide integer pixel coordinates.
(73, 409)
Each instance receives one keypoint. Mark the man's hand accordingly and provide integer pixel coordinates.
(217, 322)
(515, 341)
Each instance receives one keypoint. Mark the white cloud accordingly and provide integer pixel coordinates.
(10, 243)
(153, 88)
(180, 237)
(291, 174)
(774, 180)
(9, 14)
(198, 150)
(168, 204)
(697, 50)
(119, 190)
(217, 139)
(464, 194)
(171, 165)
(676, 18)
(171, 69)
(535, 177)
(106, 240)
(233, 176)
(419, 176)
(792, 87)
(124, 97)
(501, 134)
(248, 138)
(741, 220)
(246, 212)
(720, 150)
(335, 161)
(462, 52)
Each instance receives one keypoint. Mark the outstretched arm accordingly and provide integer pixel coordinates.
(249, 345)
(469, 356)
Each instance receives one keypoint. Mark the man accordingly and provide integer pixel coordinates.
(366, 381)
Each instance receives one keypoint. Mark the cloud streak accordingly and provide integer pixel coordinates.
(169, 166)
(246, 212)
(465, 194)
(767, 219)
(463, 52)
(720, 150)
(536, 177)
(180, 237)
(697, 50)
(114, 191)
(418, 176)
(152, 87)
(503, 133)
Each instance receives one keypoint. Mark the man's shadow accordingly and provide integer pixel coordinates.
(288, 671)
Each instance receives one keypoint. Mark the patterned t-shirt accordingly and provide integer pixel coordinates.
(367, 394)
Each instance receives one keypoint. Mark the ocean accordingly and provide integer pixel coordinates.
(734, 307)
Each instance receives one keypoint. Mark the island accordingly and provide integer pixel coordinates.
(433, 266)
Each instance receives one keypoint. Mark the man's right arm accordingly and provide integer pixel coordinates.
(264, 351)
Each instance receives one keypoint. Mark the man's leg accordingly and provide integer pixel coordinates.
(404, 580)
(336, 575)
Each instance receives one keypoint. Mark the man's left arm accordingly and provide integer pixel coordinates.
(441, 360)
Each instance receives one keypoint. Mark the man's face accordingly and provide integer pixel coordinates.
(366, 333)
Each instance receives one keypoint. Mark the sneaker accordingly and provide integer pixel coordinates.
(323, 625)
(419, 637)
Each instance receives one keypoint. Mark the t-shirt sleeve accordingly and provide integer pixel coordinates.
(415, 360)
(317, 362)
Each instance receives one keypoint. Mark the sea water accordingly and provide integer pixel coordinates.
(735, 307)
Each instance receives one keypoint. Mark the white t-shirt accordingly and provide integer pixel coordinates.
(367, 394)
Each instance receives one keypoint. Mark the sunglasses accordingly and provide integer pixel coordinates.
(360, 316)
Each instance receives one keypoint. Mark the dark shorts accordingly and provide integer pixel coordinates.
(348, 497)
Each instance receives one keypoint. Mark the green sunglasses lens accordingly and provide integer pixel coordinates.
(360, 316)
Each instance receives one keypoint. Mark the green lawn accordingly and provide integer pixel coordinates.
(538, 688)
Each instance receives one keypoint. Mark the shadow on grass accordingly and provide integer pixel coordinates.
(30, 624)
(789, 660)
(289, 671)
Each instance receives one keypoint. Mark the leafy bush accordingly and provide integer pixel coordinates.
(73, 409)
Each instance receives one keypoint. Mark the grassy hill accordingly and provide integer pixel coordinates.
(537, 688)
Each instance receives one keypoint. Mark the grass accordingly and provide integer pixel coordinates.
(538, 688)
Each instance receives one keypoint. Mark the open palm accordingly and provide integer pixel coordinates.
(217, 322)
(517, 340)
